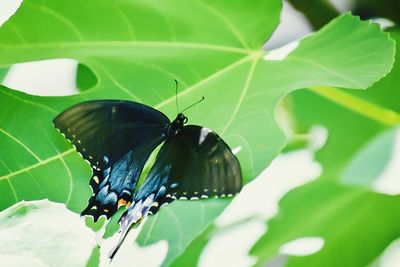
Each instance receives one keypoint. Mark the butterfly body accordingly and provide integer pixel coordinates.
(117, 138)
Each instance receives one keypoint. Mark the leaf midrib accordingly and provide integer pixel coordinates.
(128, 43)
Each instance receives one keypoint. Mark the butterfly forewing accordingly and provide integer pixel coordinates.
(116, 137)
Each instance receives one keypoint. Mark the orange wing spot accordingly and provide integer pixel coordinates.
(105, 210)
(122, 202)
(128, 204)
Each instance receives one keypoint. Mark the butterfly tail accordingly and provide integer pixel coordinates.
(148, 199)
(136, 212)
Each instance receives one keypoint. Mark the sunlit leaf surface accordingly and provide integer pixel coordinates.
(43, 234)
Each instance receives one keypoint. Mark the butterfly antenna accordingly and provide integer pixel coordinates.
(176, 96)
(194, 104)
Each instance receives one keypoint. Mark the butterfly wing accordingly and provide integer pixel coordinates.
(196, 163)
(116, 138)
(206, 166)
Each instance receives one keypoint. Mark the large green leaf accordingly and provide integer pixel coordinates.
(136, 49)
(43, 234)
(356, 225)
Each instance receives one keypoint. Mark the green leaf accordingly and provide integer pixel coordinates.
(349, 220)
(136, 49)
(3, 72)
(347, 130)
(363, 114)
(385, 93)
(370, 162)
(36, 234)
(85, 78)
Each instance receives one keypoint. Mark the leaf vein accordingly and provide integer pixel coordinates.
(242, 96)
(28, 102)
(43, 162)
(227, 22)
(20, 143)
(57, 15)
(204, 81)
(338, 74)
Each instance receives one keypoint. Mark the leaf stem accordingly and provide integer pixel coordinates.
(370, 110)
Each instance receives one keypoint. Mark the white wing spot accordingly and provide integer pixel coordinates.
(203, 134)
(96, 179)
(236, 150)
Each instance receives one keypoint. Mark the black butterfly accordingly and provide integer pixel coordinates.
(117, 137)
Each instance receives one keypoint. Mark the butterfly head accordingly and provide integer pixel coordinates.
(181, 119)
(176, 126)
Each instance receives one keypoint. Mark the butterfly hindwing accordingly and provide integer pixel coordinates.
(195, 163)
(114, 186)
(116, 138)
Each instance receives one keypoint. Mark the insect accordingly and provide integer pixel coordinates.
(117, 137)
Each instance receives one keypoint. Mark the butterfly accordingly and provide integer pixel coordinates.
(117, 137)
